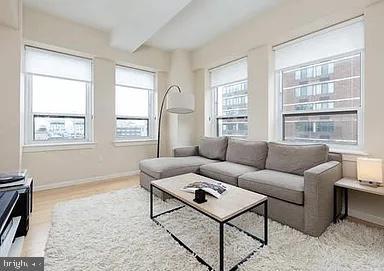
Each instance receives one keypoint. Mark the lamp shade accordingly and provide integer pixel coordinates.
(370, 170)
(181, 103)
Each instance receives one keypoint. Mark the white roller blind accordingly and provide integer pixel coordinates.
(232, 72)
(135, 78)
(337, 40)
(44, 62)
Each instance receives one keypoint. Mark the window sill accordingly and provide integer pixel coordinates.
(356, 152)
(58, 146)
(349, 155)
(134, 142)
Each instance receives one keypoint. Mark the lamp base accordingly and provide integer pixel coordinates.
(371, 183)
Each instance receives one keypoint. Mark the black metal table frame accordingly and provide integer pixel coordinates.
(221, 229)
(337, 216)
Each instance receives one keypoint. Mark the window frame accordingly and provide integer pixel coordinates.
(217, 117)
(29, 115)
(359, 111)
(151, 120)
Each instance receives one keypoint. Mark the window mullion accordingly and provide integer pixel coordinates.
(29, 127)
(72, 115)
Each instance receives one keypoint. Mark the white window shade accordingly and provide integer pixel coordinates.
(132, 102)
(334, 41)
(131, 77)
(58, 96)
(233, 72)
(50, 63)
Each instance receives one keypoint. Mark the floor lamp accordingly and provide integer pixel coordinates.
(178, 103)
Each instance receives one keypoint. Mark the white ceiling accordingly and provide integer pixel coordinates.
(203, 20)
(167, 24)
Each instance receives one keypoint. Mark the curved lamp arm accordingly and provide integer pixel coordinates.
(160, 114)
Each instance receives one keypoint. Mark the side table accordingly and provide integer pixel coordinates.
(347, 184)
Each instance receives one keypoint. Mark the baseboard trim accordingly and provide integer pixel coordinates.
(85, 180)
(367, 217)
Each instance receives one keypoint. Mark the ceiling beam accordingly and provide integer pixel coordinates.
(127, 36)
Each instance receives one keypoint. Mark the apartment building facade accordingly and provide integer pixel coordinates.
(319, 101)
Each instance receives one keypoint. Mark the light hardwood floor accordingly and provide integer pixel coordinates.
(44, 201)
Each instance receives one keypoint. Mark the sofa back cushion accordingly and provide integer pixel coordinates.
(295, 159)
(213, 147)
(250, 153)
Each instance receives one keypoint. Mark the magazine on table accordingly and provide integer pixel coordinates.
(216, 189)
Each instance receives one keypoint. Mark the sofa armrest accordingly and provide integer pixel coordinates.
(186, 151)
(318, 196)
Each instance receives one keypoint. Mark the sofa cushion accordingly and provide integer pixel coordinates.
(295, 159)
(226, 172)
(280, 185)
(213, 147)
(246, 152)
(164, 167)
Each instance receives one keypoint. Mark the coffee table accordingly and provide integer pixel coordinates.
(233, 203)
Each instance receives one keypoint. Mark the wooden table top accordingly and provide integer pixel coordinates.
(355, 185)
(232, 202)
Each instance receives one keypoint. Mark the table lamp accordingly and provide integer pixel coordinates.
(370, 171)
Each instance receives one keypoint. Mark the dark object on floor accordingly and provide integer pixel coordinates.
(23, 206)
(7, 202)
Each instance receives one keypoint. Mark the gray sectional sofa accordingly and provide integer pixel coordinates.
(298, 179)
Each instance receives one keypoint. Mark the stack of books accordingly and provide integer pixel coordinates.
(12, 178)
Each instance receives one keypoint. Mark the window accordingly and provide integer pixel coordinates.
(310, 72)
(326, 107)
(135, 103)
(331, 87)
(58, 97)
(298, 75)
(230, 99)
(330, 67)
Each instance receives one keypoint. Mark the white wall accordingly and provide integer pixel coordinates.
(10, 44)
(162, 78)
(255, 39)
(361, 205)
(104, 158)
(181, 127)
(10, 13)
(258, 72)
(374, 79)
(292, 19)
(202, 99)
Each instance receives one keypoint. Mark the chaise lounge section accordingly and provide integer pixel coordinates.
(298, 179)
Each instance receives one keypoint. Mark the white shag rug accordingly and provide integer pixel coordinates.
(113, 231)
